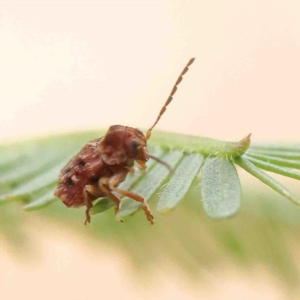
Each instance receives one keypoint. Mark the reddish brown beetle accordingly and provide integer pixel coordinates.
(103, 163)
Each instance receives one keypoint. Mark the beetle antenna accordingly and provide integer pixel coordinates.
(161, 162)
(164, 108)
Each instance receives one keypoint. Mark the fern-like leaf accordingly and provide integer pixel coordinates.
(29, 171)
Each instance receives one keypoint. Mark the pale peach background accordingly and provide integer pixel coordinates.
(68, 65)
(76, 65)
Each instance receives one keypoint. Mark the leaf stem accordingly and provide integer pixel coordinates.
(275, 169)
(202, 145)
(248, 166)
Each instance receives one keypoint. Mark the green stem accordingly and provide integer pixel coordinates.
(291, 163)
(288, 172)
(203, 145)
(248, 166)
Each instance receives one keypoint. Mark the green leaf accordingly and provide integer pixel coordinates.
(40, 200)
(244, 236)
(274, 168)
(102, 205)
(277, 160)
(149, 184)
(29, 170)
(276, 147)
(277, 153)
(220, 188)
(180, 182)
(247, 165)
(31, 167)
(41, 181)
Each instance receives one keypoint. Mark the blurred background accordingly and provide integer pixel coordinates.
(79, 65)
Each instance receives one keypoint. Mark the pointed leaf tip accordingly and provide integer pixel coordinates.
(244, 144)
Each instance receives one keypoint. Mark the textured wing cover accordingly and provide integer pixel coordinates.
(84, 168)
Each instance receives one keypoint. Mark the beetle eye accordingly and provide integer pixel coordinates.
(133, 146)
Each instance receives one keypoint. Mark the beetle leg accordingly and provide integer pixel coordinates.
(89, 194)
(88, 202)
(141, 164)
(137, 198)
(113, 183)
(103, 183)
(131, 170)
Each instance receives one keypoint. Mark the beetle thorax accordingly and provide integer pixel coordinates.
(122, 143)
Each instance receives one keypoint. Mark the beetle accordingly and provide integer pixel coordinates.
(103, 163)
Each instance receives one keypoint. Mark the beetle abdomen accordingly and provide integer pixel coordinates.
(83, 169)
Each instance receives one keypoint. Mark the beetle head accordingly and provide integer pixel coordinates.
(136, 147)
(135, 144)
(121, 143)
